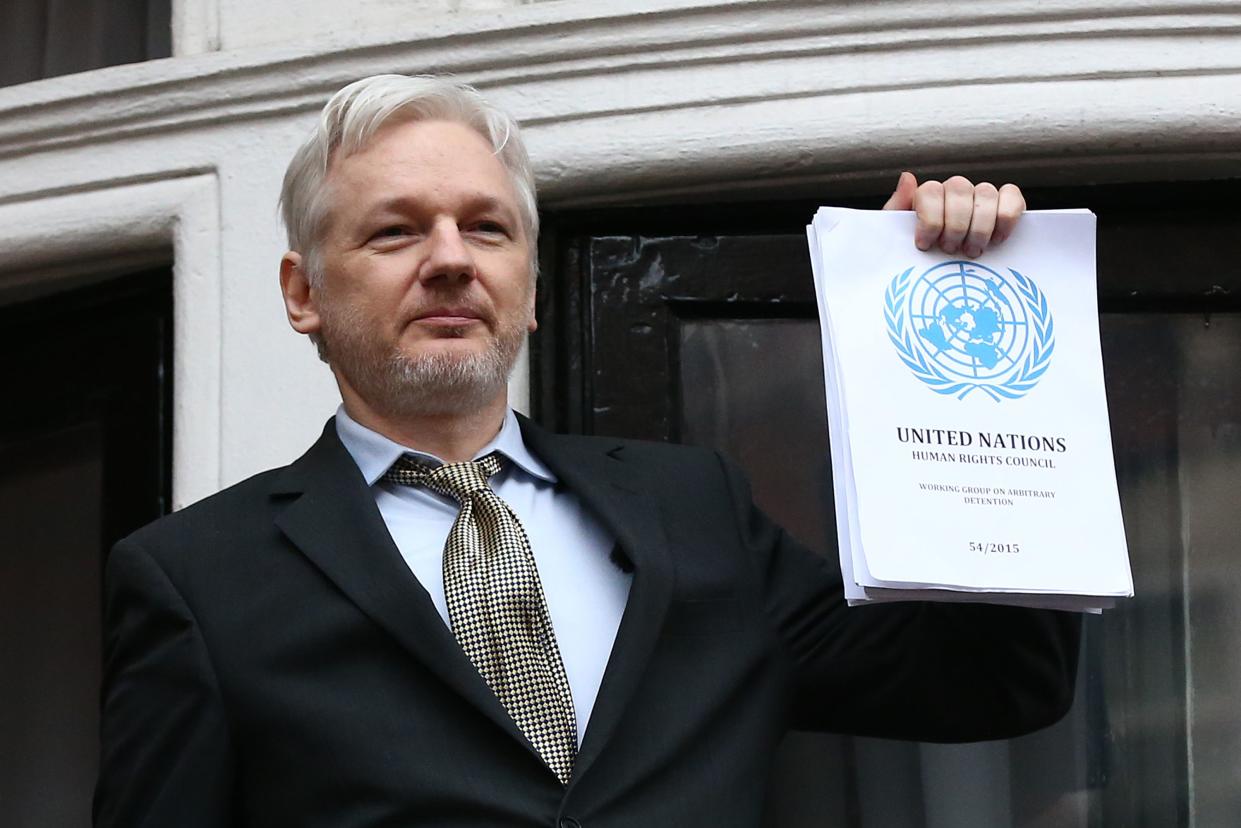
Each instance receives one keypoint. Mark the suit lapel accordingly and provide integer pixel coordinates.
(334, 521)
(598, 474)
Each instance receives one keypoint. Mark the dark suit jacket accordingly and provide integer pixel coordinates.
(271, 661)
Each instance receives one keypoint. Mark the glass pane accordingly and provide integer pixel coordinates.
(1154, 736)
(754, 388)
(43, 39)
(1173, 663)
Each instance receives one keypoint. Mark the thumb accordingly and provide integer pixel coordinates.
(902, 197)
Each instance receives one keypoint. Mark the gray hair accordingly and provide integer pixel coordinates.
(352, 117)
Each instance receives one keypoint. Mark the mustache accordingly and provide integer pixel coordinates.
(451, 304)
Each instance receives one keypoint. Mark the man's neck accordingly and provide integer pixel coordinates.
(453, 437)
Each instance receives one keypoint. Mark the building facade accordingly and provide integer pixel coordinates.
(173, 166)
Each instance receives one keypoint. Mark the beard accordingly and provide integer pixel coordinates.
(397, 384)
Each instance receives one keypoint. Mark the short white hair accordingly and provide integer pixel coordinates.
(352, 117)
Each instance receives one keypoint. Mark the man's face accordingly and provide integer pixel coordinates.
(427, 290)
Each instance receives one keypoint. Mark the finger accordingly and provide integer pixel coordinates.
(958, 207)
(929, 206)
(982, 222)
(1009, 209)
(902, 197)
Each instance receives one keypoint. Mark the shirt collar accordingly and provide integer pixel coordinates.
(375, 453)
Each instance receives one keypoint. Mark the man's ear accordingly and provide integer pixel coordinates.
(533, 324)
(299, 299)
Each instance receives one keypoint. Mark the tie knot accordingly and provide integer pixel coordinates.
(456, 480)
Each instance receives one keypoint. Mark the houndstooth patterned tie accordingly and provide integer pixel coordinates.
(496, 605)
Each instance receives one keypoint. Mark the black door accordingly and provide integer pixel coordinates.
(84, 459)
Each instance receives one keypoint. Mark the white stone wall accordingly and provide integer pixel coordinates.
(625, 101)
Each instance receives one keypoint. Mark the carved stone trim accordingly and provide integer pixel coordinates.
(674, 95)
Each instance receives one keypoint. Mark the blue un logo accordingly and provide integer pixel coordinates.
(962, 327)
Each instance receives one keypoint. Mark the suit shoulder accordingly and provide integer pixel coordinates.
(228, 511)
(646, 450)
(650, 465)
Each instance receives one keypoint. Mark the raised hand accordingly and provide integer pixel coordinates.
(958, 215)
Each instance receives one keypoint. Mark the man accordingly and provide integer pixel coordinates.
(570, 631)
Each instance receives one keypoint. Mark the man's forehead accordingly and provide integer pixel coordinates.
(406, 164)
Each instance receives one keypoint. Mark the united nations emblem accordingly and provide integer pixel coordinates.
(962, 327)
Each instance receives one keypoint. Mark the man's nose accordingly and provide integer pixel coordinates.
(448, 257)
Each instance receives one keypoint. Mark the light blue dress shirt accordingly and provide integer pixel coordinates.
(586, 592)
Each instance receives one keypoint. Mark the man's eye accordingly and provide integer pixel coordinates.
(396, 231)
(491, 227)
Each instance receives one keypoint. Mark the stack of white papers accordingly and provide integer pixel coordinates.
(971, 453)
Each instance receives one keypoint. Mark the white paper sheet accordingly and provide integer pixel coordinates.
(967, 418)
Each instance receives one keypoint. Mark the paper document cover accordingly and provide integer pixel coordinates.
(967, 411)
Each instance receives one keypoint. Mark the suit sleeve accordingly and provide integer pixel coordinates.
(166, 757)
(927, 671)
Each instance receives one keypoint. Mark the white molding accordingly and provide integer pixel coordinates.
(179, 213)
(195, 27)
(784, 81)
